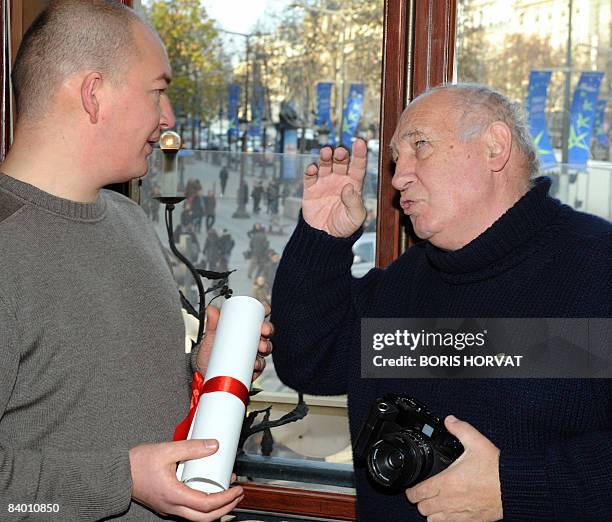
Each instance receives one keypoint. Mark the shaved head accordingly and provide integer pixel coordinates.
(70, 36)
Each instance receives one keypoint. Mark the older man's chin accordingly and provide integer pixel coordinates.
(420, 231)
(428, 234)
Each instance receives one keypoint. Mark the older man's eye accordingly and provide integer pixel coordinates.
(419, 144)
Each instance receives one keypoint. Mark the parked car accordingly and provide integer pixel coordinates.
(364, 251)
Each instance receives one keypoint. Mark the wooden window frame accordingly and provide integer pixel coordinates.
(419, 45)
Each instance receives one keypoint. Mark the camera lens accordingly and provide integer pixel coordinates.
(396, 459)
(400, 460)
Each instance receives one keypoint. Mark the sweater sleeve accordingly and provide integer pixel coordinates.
(86, 485)
(313, 311)
(568, 480)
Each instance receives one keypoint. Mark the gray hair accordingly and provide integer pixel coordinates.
(481, 106)
(67, 37)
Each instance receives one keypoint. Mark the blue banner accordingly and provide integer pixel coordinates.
(583, 118)
(601, 132)
(323, 119)
(232, 110)
(257, 111)
(352, 113)
(536, 116)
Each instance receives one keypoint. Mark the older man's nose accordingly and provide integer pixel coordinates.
(404, 173)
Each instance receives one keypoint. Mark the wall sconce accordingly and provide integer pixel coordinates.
(170, 144)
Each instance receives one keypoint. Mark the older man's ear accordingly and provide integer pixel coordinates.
(499, 143)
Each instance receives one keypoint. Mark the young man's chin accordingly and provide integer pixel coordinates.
(140, 171)
(129, 177)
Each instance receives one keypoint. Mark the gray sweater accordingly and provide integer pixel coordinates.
(92, 356)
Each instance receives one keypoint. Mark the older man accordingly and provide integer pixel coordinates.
(497, 245)
(93, 376)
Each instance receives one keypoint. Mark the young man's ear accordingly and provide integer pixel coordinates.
(89, 95)
(499, 144)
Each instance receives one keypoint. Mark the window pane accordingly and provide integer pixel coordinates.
(257, 91)
(499, 43)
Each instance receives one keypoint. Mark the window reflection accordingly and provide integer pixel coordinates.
(257, 91)
(502, 44)
(212, 231)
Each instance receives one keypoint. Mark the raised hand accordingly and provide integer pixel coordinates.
(332, 190)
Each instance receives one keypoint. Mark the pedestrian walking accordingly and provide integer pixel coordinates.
(258, 247)
(257, 194)
(226, 245)
(211, 250)
(210, 204)
(223, 175)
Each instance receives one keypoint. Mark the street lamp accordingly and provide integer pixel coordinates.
(342, 43)
(241, 211)
(247, 37)
(170, 144)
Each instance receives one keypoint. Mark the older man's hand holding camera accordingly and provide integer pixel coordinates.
(469, 488)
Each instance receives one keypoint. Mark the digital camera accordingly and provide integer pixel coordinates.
(402, 443)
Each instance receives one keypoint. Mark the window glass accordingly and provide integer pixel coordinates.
(364, 252)
(555, 57)
(257, 90)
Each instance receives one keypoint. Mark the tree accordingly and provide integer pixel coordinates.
(505, 65)
(324, 40)
(196, 57)
(509, 68)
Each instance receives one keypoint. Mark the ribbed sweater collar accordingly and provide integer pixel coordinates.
(63, 207)
(502, 245)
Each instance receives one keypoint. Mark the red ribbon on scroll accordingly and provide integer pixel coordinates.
(199, 387)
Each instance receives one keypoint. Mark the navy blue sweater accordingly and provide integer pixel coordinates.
(540, 259)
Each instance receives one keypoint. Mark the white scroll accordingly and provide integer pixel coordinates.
(220, 414)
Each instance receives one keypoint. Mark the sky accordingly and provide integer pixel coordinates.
(240, 15)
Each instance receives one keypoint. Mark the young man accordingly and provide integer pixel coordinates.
(93, 377)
